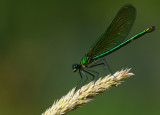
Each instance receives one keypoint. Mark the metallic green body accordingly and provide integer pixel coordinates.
(128, 40)
(114, 37)
(85, 61)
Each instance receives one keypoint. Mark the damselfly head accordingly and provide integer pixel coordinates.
(75, 67)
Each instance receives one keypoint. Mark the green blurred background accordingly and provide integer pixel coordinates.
(40, 40)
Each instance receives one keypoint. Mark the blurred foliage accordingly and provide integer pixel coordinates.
(40, 40)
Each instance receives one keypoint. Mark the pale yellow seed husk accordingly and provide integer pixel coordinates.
(85, 94)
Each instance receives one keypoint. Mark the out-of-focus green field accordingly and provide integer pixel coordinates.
(40, 40)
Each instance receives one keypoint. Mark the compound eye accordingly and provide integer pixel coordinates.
(75, 67)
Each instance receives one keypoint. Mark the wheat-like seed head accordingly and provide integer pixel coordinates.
(85, 94)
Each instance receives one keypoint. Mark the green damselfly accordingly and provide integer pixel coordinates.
(112, 40)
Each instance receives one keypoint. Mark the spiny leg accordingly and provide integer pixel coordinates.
(85, 76)
(108, 65)
(98, 65)
(80, 72)
(78, 84)
(89, 74)
(103, 59)
(93, 72)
